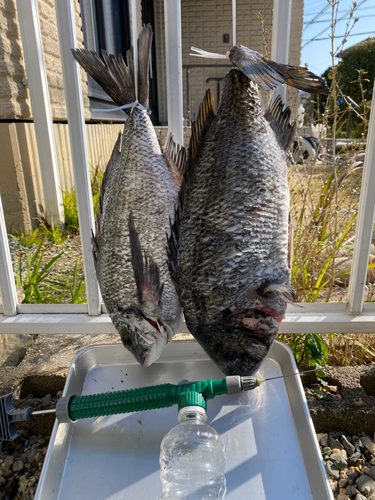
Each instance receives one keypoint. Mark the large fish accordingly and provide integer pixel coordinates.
(138, 195)
(230, 249)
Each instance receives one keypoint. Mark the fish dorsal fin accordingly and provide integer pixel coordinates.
(114, 75)
(269, 74)
(198, 130)
(146, 271)
(280, 123)
(107, 174)
(205, 116)
(175, 155)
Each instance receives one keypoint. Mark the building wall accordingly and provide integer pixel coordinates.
(14, 93)
(204, 22)
(21, 181)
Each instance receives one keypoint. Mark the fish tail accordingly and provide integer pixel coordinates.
(269, 74)
(114, 75)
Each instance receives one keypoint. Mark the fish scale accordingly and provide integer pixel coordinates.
(134, 181)
(227, 167)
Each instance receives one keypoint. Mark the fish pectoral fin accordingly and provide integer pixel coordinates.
(269, 74)
(279, 121)
(269, 289)
(146, 271)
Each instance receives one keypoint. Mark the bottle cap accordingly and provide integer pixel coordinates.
(191, 399)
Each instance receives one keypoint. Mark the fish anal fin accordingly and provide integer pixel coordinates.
(146, 271)
(106, 176)
(279, 121)
(175, 156)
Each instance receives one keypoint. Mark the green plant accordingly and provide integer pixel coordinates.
(27, 239)
(77, 288)
(70, 200)
(35, 282)
(70, 211)
(53, 234)
(309, 349)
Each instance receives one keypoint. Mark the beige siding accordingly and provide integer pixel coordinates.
(21, 185)
(14, 101)
(14, 94)
(203, 24)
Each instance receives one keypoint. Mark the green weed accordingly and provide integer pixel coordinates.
(77, 289)
(35, 284)
(70, 211)
(53, 234)
(28, 239)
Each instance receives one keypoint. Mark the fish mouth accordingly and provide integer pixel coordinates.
(256, 318)
(249, 334)
(151, 328)
(150, 336)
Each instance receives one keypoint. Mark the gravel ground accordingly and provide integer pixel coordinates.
(21, 460)
(350, 465)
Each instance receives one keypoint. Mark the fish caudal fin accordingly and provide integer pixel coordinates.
(280, 123)
(269, 74)
(108, 172)
(146, 271)
(114, 75)
(198, 130)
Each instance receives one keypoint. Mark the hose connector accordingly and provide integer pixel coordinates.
(249, 383)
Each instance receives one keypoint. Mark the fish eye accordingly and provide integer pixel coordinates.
(230, 355)
(127, 341)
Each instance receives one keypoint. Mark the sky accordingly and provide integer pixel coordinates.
(316, 53)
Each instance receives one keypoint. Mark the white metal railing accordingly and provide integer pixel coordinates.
(91, 318)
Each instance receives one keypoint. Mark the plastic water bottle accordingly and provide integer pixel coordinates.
(192, 459)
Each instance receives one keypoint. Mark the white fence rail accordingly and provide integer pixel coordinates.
(91, 318)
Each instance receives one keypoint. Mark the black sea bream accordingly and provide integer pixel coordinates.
(138, 195)
(230, 246)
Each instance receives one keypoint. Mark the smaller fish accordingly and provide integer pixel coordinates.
(138, 194)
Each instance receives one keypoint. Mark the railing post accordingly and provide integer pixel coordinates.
(234, 22)
(39, 97)
(7, 284)
(365, 224)
(282, 10)
(172, 13)
(77, 133)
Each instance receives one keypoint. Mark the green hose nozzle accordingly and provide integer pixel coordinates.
(73, 408)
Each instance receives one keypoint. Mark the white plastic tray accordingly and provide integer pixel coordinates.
(271, 449)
